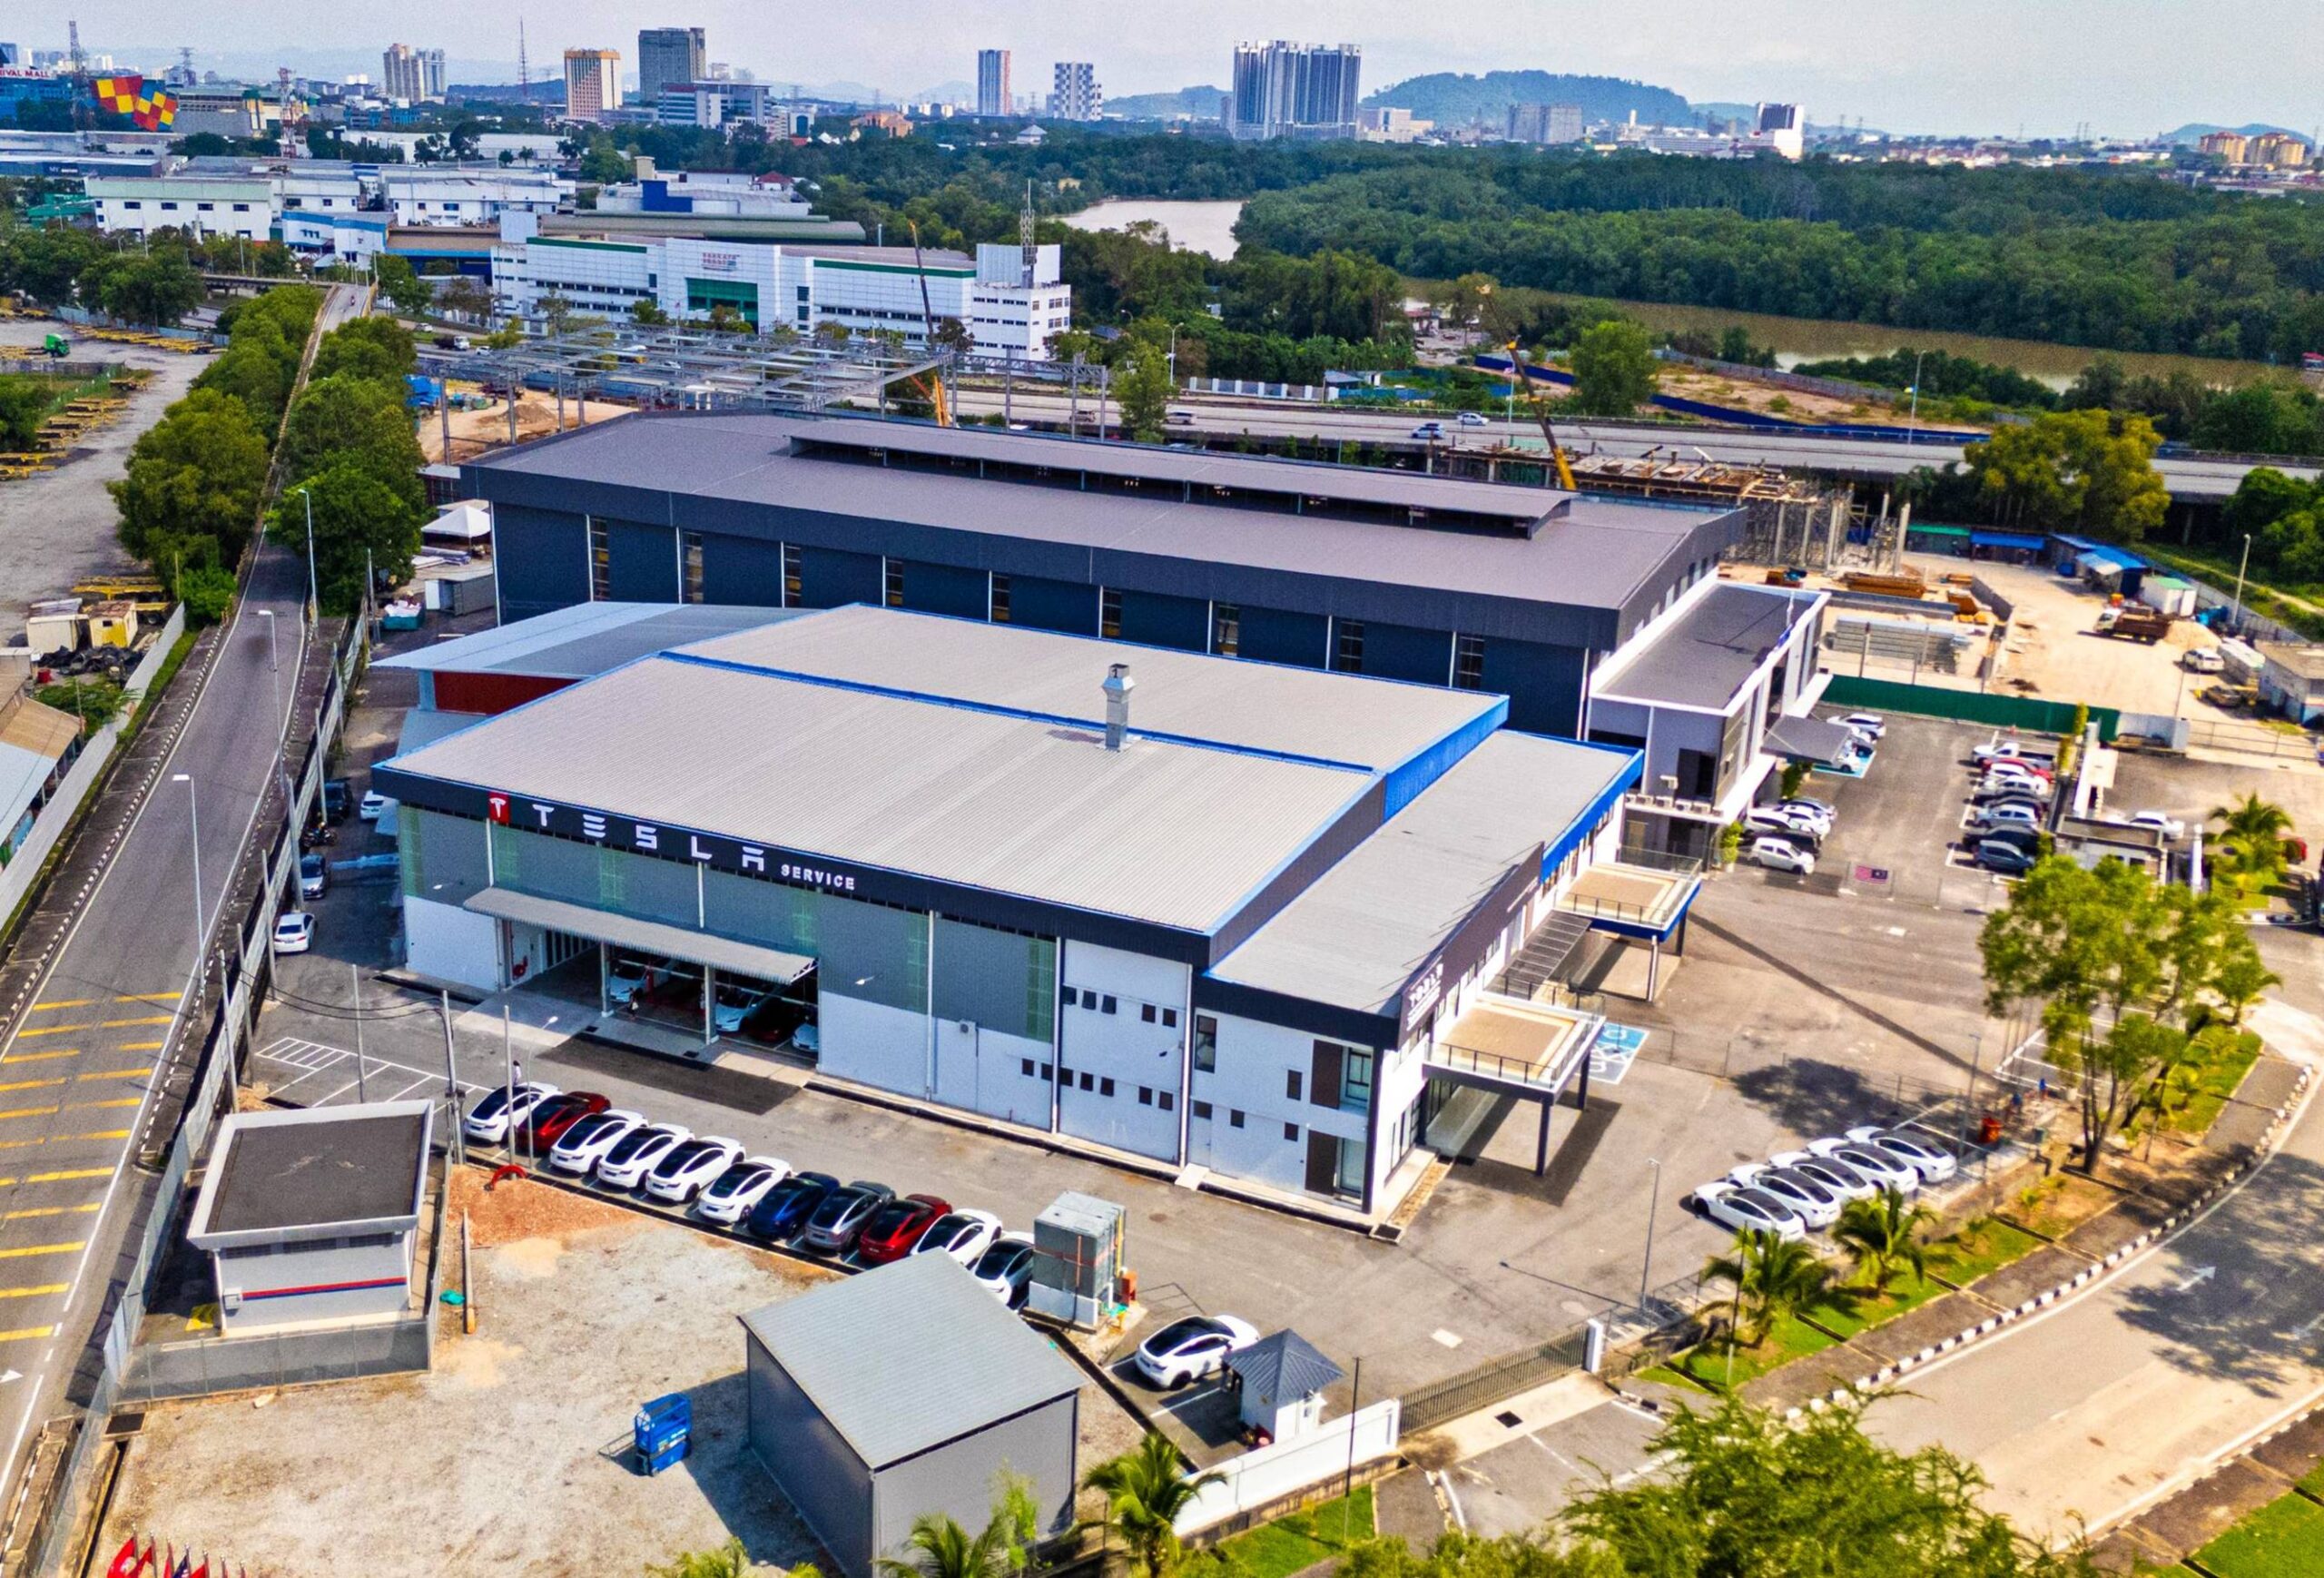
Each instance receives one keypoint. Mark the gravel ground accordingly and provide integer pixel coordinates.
(57, 528)
(491, 1462)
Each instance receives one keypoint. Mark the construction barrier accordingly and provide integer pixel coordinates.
(2027, 714)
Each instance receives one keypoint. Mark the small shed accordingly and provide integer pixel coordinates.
(1283, 1379)
(905, 1391)
(309, 1218)
(2169, 595)
(2291, 679)
(113, 623)
(467, 523)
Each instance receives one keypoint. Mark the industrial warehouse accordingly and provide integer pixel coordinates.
(1233, 915)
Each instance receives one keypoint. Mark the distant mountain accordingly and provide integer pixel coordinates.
(947, 93)
(2194, 132)
(1454, 98)
(1198, 102)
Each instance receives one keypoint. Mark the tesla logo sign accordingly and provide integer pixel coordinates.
(495, 806)
(1421, 994)
(669, 842)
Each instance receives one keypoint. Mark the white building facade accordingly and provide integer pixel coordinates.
(203, 205)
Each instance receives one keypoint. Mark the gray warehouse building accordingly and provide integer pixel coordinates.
(905, 1391)
(309, 1216)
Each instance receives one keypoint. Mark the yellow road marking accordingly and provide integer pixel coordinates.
(115, 1101)
(109, 1074)
(32, 1084)
(53, 1029)
(62, 1176)
(114, 1024)
(62, 1002)
(42, 1290)
(151, 997)
(41, 1057)
(142, 1046)
(44, 1249)
(31, 1112)
(62, 1138)
(30, 1331)
(49, 1211)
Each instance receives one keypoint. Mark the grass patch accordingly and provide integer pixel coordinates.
(2217, 1081)
(1303, 1538)
(1666, 1376)
(1790, 1338)
(1983, 1247)
(2284, 1539)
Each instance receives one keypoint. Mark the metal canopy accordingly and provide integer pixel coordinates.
(644, 936)
(691, 367)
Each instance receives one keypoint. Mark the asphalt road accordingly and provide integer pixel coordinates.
(76, 1071)
(2187, 478)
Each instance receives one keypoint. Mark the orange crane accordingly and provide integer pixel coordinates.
(1524, 376)
(938, 397)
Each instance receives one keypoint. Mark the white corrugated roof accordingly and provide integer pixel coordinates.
(1174, 834)
(584, 639)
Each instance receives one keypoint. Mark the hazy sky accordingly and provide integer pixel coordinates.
(2126, 66)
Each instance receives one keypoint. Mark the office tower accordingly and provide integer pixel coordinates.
(592, 83)
(1282, 89)
(992, 83)
(668, 57)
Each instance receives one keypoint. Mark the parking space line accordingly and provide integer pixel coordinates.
(30, 1331)
(30, 1211)
(407, 1090)
(41, 1057)
(30, 1084)
(110, 1101)
(114, 1024)
(150, 997)
(111, 1074)
(31, 1112)
(142, 1046)
(30, 1249)
(42, 1291)
(67, 1175)
(51, 1030)
(335, 1095)
(63, 1138)
(61, 1002)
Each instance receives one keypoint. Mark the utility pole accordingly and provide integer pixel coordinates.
(1645, 1267)
(451, 1079)
(355, 975)
(2236, 617)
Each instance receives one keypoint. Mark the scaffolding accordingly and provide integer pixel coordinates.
(690, 368)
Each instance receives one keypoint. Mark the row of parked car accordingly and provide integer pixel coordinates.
(2009, 804)
(580, 1134)
(1796, 1192)
(1786, 836)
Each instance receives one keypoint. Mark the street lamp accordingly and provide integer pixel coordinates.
(314, 597)
(2236, 617)
(1645, 1267)
(1909, 431)
(193, 815)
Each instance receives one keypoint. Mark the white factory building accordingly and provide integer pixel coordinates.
(805, 287)
(209, 205)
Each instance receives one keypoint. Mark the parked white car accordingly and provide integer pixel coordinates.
(731, 1194)
(2007, 745)
(640, 1151)
(1745, 1209)
(1864, 725)
(1781, 855)
(963, 1235)
(489, 1121)
(1807, 1198)
(1187, 1350)
(1817, 818)
(2202, 660)
(1883, 1169)
(1782, 819)
(2162, 822)
(690, 1167)
(2005, 813)
(584, 1145)
(294, 932)
(1006, 1269)
(1923, 1155)
(1842, 1181)
(2011, 780)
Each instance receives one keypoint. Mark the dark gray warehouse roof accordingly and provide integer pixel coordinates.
(1708, 650)
(275, 1174)
(911, 1356)
(587, 639)
(1597, 553)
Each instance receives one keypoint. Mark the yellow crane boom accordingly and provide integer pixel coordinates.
(1524, 377)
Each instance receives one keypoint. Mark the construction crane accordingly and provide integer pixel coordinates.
(1524, 376)
(938, 397)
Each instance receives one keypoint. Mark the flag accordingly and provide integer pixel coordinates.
(124, 1561)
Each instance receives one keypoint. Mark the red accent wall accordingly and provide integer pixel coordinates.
(490, 693)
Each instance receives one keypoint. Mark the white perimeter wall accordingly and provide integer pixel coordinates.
(450, 943)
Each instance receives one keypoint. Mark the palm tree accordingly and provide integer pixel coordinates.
(1772, 1279)
(1146, 1490)
(727, 1561)
(1883, 1235)
(940, 1548)
(2252, 833)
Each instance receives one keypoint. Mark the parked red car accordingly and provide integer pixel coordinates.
(553, 1117)
(896, 1226)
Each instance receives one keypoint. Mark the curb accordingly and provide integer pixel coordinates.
(2088, 1274)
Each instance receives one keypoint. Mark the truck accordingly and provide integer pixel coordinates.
(56, 346)
(2136, 624)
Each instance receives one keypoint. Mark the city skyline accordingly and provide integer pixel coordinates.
(1914, 67)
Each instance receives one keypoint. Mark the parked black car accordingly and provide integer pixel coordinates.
(785, 1209)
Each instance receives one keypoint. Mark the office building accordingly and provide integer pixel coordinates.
(1386, 124)
(992, 83)
(413, 75)
(1545, 122)
(592, 83)
(1782, 128)
(669, 57)
(241, 206)
(1074, 93)
(1282, 89)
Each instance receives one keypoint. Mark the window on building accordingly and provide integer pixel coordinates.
(690, 546)
(1069, 996)
(999, 604)
(1145, 1095)
(1201, 1110)
(1105, 1087)
(791, 579)
(1468, 663)
(1110, 1005)
(1166, 1100)
(1355, 1080)
(1045, 1070)
(1206, 1044)
(1088, 1080)
(1170, 1016)
(1347, 646)
(892, 576)
(1029, 1067)
(1109, 612)
(1291, 1083)
(601, 562)
(1226, 630)
(1291, 1132)
(1145, 1012)
(1233, 1118)
(205, 207)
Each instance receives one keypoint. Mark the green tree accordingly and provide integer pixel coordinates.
(1770, 1278)
(1142, 385)
(207, 591)
(464, 298)
(402, 285)
(1465, 302)
(1146, 1489)
(94, 701)
(347, 420)
(24, 405)
(2251, 837)
(647, 313)
(191, 493)
(155, 287)
(2082, 470)
(2239, 981)
(731, 1560)
(1885, 1236)
(1749, 1494)
(1613, 369)
(359, 520)
(507, 336)
(373, 347)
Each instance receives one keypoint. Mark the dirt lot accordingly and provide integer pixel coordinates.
(492, 1461)
(476, 431)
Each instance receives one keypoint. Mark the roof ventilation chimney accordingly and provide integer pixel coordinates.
(1117, 688)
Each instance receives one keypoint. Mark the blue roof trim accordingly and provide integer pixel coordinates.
(1025, 714)
(1582, 826)
(2024, 539)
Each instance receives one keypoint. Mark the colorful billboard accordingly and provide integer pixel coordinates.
(127, 95)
